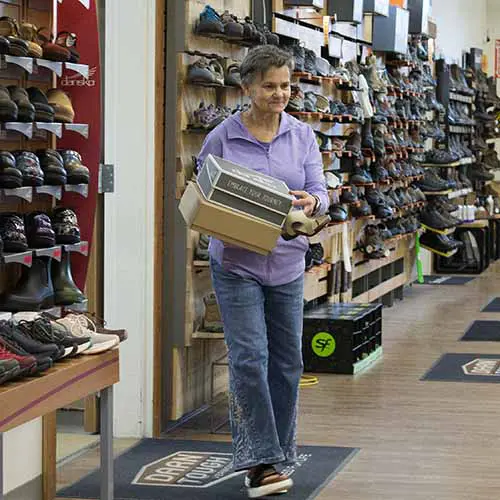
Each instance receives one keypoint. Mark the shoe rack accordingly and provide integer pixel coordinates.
(45, 74)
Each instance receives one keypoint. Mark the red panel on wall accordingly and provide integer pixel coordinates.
(85, 94)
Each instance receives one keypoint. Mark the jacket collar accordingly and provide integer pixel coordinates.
(237, 129)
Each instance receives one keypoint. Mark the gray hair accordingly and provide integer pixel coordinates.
(260, 59)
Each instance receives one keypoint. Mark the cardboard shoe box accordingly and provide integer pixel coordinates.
(226, 224)
(245, 190)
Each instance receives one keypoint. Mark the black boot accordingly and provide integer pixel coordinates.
(34, 291)
(65, 290)
(367, 136)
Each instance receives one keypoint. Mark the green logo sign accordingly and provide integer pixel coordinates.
(323, 344)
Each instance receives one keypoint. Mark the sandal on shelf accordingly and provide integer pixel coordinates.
(67, 40)
(29, 33)
(10, 30)
(265, 480)
(52, 51)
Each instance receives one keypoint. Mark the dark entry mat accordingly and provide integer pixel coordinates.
(446, 280)
(485, 331)
(466, 368)
(158, 469)
(493, 306)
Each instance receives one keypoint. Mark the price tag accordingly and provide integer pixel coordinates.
(24, 62)
(54, 66)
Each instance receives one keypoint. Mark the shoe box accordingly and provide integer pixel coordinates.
(226, 224)
(341, 338)
(236, 205)
(245, 190)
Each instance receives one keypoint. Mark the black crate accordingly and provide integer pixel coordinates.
(341, 338)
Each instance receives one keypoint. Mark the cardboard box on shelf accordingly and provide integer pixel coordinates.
(227, 224)
(240, 188)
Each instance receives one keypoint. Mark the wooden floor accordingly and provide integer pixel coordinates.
(418, 440)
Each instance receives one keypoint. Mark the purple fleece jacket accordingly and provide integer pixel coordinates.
(293, 157)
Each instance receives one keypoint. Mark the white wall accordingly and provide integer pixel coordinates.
(20, 468)
(461, 24)
(129, 215)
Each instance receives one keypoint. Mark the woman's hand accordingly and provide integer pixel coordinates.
(306, 201)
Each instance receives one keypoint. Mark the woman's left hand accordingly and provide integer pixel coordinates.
(306, 201)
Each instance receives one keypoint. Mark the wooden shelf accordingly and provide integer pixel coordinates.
(201, 335)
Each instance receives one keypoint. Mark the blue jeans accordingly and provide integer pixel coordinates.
(263, 333)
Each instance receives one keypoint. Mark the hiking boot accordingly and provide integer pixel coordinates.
(232, 28)
(438, 242)
(78, 326)
(360, 176)
(296, 102)
(324, 141)
(299, 56)
(25, 109)
(39, 230)
(8, 108)
(384, 232)
(10, 176)
(378, 172)
(367, 141)
(432, 183)
(490, 158)
(354, 143)
(76, 172)
(322, 103)
(432, 218)
(66, 292)
(264, 480)
(337, 213)
(372, 77)
(310, 61)
(25, 345)
(349, 197)
(63, 108)
(52, 165)
(310, 101)
(356, 111)
(317, 253)
(478, 172)
(65, 225)
(13, 233)
(363, 209)
(209, 22)
(332, 181)
(205, 71)
(373, 244)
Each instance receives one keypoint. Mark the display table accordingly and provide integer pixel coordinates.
(66, 382)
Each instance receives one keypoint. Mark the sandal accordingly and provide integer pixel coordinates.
(298, 224)
(264, 480)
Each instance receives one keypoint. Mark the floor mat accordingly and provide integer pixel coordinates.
(157, 469)
(493, 306)
(461, 367)
(446, 280)
(483, 331)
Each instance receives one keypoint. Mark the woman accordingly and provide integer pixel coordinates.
(261, 297)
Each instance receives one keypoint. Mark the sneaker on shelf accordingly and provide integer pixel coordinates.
(27, 363)
(296, 102)
(98, 325)
(337, 213)
(9, 370)
(80, 325)
(373, 243)
(206, 71)
(212, 321)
